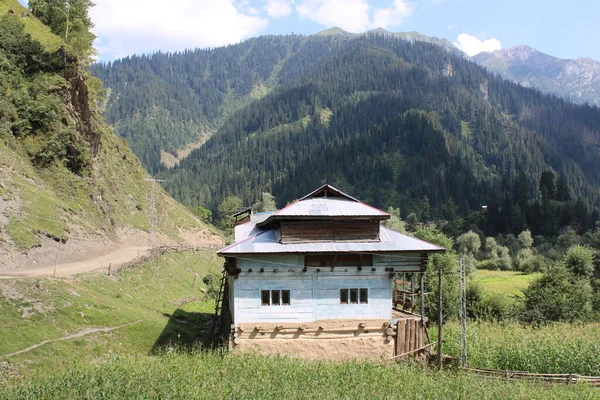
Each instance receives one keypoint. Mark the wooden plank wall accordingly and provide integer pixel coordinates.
(328, 231)
(410, 336)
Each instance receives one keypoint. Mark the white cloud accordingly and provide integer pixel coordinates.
(137, 26)
(350, 15)
(472, 45)
(354, 15)
(278, 8)
(393, 15)
(451, 27)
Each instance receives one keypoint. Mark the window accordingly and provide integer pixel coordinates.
(354, 296)
(275, 298)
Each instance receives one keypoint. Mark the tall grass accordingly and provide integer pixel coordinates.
(213, 375)
(556, 348)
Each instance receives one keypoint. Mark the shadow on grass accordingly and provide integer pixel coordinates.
(185, 331)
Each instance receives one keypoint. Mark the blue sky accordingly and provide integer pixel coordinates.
(565, 30)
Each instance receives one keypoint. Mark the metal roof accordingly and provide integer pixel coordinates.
(267, 242)
(330, 207)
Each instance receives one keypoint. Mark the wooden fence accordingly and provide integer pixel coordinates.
(561, 379)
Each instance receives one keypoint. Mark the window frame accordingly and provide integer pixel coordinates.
(279, 294)
(347, 294)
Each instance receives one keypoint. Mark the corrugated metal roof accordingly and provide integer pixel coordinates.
(320, 207)
(267, 242)
(244, 230)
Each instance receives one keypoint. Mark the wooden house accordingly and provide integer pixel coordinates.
(317, 279)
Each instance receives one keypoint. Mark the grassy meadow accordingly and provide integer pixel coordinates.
(164, 354)
(223, 376)
(162, 300)
(506, 283)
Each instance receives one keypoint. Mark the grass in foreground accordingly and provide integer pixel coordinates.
(559, 348)
(211, 375)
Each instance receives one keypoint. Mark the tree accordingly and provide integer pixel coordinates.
(547, 185)
(266, 203)
(490, 250)
(204, 214)
(580, 261)
(395, 222)
(448, 264)
(468, 243)
(411, 219)
(68, 19)
(425, 209)
(229, 206)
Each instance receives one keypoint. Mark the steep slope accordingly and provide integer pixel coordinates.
(577, 80)
(391, 121)
(168, 104)
(388, 119)
(66, 181)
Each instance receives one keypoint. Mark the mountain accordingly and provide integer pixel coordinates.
(396, 122)
(66, 181)
(577, 80)
(167, 104)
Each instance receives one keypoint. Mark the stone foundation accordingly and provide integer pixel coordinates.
(332, 340)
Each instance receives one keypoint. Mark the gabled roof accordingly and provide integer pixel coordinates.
(259, 236)
(328, 191)
(267, 242)
(326, 201)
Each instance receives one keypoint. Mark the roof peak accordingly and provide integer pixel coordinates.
(328, 191)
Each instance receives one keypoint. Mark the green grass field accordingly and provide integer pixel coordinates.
(163, 295)
(223, 376)
(559, 348)
(162, 356)
(509, 283)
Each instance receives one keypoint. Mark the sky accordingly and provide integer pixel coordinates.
(561, 29)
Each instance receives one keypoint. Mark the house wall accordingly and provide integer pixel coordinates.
(314, 295)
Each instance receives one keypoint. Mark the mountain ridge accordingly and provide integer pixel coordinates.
(575, 79)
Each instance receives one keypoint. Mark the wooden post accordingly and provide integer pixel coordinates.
(412, 291)
(440, 329)
(422, 300)
(404, 291)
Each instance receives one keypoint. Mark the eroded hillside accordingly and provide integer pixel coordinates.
(69, 188)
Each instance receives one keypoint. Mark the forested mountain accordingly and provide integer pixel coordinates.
(65, 177)
(163, 102)
(577, 80)
(394, 122)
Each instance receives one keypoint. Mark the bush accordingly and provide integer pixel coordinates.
(580, 261)
(537, 263)
(557, 296)
(494, 307)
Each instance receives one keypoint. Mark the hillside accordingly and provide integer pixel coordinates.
(387, 119)
(166, 105)
(577, 80)
(69, 187)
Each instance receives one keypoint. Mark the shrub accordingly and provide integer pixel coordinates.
(580, 261)
(537, 263)
(557, 296)
(491, 307)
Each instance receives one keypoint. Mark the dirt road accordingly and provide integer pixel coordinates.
(100, 263)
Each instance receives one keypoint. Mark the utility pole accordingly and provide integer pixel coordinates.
(440, 324)
(462, 314)
(152, 210)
